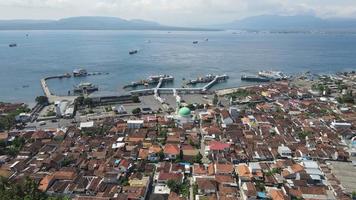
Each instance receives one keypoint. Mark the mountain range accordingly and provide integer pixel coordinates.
(262, 22)
(298, 22)
(88, 23)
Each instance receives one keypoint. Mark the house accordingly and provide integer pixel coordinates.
(206, 186)
(244, 173)
(189, 152)
(284, 152)
(164, 177)
(153, 153)
(171, 151)
(225, 118)
(216, 146)
(248, 191)
(225, 168)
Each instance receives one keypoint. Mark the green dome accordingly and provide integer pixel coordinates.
(184, 112)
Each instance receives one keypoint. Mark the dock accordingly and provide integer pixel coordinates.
(52, 97)
(158, 89)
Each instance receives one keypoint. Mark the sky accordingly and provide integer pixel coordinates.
(175, 12)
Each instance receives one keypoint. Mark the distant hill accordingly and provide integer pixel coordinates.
(299, 22)
(87, 23)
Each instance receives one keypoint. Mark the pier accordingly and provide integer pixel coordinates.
(157, 90)
(51, 97)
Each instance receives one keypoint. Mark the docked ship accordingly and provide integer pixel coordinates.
(13, 45)
(273, 75)
(85, 88)
(155, 78)
(205, 79)
(254, 78)
(133, 52)
(80, 72)
(151, 80)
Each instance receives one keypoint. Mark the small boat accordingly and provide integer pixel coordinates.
(13, 45)
(195, 42)
(133, 52)
(207, 39)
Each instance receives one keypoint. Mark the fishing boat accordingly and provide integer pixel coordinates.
(133, 52)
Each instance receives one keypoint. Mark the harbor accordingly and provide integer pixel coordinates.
(84, 88)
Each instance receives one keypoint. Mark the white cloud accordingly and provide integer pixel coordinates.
(175, 12)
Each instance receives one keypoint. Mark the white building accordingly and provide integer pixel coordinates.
(284, 152)
(135, 124)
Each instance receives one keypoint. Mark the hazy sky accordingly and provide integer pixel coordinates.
(174, 12)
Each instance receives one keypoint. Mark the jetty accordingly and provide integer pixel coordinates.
(52, 97)
(175, 91)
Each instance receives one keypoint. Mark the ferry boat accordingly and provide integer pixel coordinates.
(13, 45)
(133, 52)
(205, 79)
(154, 79)
(85, 88)
(273, 75)
(80, 72)
(254, 78)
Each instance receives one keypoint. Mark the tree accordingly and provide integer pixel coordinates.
(25, 190)
(136, 111)
(197, 158)
(173, 185)
(135, 99)
(79, 101)
(88, 102)
(215, 99)
(42, 100)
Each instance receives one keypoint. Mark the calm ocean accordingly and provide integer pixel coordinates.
(45, 53)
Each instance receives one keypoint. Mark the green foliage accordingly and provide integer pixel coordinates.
(179, 188)
(108, 109)
(43, 100)
(273, 171)
(260, 186)
(321, 88)
(12, 148)
(215, 99)
(241, 93)
(88, 102)
(8, 120)
(51, 113)
(347, 98)
(66, 162)
(304, 134)
(79, 101)
(135, 99)
(197, 158)
(136, 111)
(25, 190)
